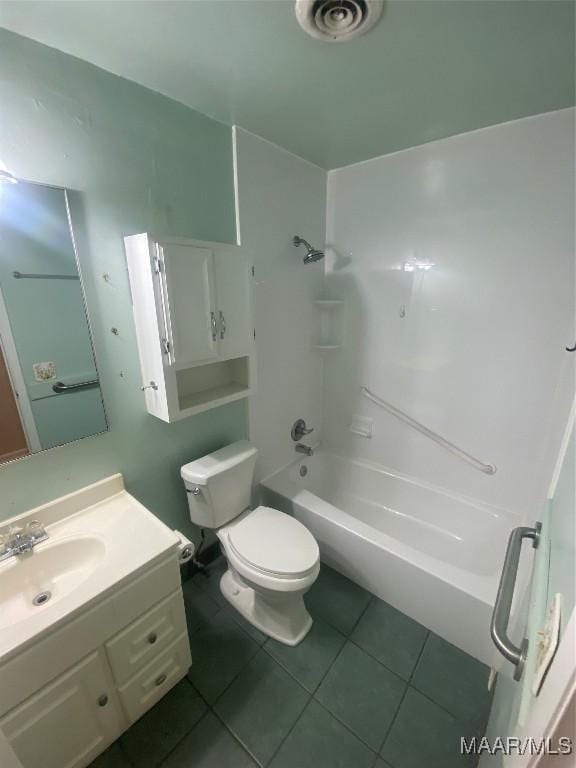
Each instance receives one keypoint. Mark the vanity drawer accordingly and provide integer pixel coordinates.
(156, 679)
(148, 636)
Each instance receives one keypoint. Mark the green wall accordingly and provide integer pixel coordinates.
(142, 163)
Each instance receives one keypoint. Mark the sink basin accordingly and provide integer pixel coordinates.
(36, 581)
(99, 538)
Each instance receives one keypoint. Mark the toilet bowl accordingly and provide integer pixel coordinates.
(273, 559)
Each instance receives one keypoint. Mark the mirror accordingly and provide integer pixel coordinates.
(49, 385)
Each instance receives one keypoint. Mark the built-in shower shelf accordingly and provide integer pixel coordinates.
(327, 346)
(328, 324)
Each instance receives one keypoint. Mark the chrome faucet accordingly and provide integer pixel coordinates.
(304, 449)
(299, 430)
(18, 541)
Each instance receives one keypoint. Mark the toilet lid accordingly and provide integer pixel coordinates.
(274, 542)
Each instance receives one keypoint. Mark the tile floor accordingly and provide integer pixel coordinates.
(368, 688)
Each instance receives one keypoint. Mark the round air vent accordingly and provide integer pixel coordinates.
(337, 21)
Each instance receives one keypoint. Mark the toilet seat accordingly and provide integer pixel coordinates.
(274, 544)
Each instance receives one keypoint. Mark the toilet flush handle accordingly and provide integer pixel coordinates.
(194, 491)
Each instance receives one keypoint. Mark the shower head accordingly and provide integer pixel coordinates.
(312, 254)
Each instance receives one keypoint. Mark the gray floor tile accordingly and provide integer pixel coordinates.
(200, 606)
(363, 694)
(381, 764)
(391, 637)
(261, 706)
(209, 745)
(220, 650)
(152, 737)
(112, 758)
(309, 661)
(425, 736)
(318, 740)
(454, 680)
(337, 600)
(208, 580)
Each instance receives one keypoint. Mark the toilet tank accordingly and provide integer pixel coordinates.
(219, 485)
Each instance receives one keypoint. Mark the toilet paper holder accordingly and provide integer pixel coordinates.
(186, 548)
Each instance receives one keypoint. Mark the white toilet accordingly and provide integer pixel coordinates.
(272, 558)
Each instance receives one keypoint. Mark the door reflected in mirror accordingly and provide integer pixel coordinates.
(49, 385)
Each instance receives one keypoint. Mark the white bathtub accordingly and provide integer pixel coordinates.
(433, 555)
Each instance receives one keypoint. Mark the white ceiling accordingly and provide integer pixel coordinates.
(431, 68)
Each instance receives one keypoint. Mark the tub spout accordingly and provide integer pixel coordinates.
(304, 449)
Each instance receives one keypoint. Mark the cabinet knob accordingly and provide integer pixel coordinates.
(103, 700)
(222, 324)
(152, 637)
(161, 679)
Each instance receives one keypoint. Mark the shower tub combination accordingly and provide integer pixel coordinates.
(431, 554)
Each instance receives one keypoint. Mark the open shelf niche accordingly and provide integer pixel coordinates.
(329, 329)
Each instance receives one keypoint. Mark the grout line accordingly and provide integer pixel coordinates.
(279, 747)
(236, 738)
(404, 694)
(237, 675)
(334, 660)
(382, 664)
(347, 727)
(368, 604)
(458, 719)
(179, 742)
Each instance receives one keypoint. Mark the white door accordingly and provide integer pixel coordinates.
(233, 288)
(69, 722)
(188, 296)
(533, 706)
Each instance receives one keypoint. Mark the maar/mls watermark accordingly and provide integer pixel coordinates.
(512, 745)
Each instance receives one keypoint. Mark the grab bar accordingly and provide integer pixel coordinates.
(503, 604)
(489, 469)
(60, 388)
(39, 276)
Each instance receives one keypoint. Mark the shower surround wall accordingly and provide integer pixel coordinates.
(474, 346)
(281, 195)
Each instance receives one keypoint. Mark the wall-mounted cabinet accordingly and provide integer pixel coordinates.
(192, 309)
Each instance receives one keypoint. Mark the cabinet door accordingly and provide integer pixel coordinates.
(187, 276)
(233, 291)
(69, 722)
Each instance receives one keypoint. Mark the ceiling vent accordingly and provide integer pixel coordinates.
(336, 21)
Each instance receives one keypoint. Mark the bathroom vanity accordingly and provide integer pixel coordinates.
(108, 637)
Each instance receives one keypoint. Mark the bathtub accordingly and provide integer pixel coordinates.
(433, 555)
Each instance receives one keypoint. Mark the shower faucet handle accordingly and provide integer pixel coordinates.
(300, 430)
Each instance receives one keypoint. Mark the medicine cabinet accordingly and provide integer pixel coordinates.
(192, 309)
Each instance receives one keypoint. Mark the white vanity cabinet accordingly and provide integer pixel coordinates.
(69, 722)
(193, 317)
(68, 691)
(60, 712)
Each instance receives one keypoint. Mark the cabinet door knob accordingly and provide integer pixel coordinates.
(222, 324)
(103, 700)
(152, 637)
(161, 679)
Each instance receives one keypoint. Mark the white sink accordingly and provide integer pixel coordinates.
(37, 580)
(99, 538)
